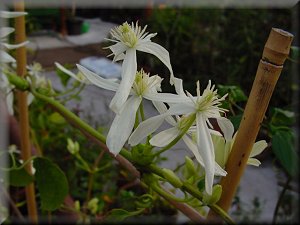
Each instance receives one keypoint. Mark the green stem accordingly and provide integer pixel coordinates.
(73, 95)
(76, 85)
(165, 194)
(136, 121)
(280, 199)
(194, 192)
(84, 164)
(36, 143)
(183, 132)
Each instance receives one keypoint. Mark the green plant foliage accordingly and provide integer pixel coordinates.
(219, 44)
(214, 198)
(56, 118)
(19, 177)
(295, 53)
(236, 120)
(283, 148)
(118, 215)
(281, 118)
(64, 78)
(235, 93)
(201, 185)
(51, 183)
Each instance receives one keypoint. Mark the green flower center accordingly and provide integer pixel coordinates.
(127, 35)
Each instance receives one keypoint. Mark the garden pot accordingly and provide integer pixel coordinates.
(74, 26)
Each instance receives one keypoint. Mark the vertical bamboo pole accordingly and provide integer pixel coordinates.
(23, 110)
(270, 66)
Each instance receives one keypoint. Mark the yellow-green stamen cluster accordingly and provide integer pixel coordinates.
(144, 83)
(209, 100)
(125, 34)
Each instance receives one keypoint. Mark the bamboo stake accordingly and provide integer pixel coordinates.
(270, 66)
(23, 110)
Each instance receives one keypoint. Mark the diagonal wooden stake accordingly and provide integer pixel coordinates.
(23, 110)
(270, 66)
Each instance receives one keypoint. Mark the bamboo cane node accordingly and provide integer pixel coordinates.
(269, 67)
(277, 47)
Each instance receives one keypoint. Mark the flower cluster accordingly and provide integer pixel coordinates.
(190, 117)
(4, 33)
(5, 87)
(8, 64)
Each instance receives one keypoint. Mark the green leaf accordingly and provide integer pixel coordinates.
(236, 120)
(295, 53)
(283, 148)
(280, 117)
(118, 215)
(236, 94)
(51, 183)
(201, 185)
(57, 118)
(19, 177)
(214, 198)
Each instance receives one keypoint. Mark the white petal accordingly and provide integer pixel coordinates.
(119, 57)
(8, 14)
(159, 51)
(66, 71)
(10, 102)
(146, 128)
(10, 46)
(166, 97)
(165, 137)
(193, 147)
(253, 162)
(122, 125)
(129, 68)
(219, 171)
(162, 108)
(226, 127)
(94, 78)
(180, 109)
(178, 86)
(219, 147)
(206, 148)
(258, 147)
(6, 58)
(215, 132)
(30, 98)
(118, 49)
(4, 31)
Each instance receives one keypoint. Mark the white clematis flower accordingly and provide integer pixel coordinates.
(165, 137)
(203, 106)
(35, 69)
(4, 33)
(129, 39)
(7, 89)
(223, 148)
(143, 86)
